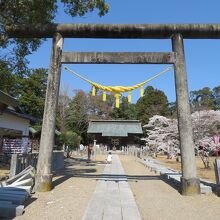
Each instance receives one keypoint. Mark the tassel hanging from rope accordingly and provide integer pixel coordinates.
(93, 91)
(141, 91)
(104, 96)
(117, 100)
(129, 97)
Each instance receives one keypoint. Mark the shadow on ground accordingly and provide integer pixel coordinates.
(75, 167)
(29, 201)
(175, 185)
(81, 168)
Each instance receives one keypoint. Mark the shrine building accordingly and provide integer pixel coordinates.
(115, 133)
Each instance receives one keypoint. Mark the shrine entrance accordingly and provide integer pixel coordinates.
(115, 134)
(115, 142)
(190, 184)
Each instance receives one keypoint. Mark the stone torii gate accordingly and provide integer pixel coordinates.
(190, 184)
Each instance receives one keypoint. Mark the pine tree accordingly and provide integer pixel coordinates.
(154, 102)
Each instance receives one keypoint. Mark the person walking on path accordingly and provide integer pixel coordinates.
(81, 149)
(89, 152)
(109, 158)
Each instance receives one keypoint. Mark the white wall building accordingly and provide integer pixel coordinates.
(14, 126)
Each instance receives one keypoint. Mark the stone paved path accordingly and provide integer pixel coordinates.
(113, 198)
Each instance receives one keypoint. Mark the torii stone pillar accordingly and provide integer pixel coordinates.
(190, 184)
(44, 167)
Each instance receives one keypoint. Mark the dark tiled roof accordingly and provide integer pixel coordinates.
(19, 114)
(9, 105)
(7, 99)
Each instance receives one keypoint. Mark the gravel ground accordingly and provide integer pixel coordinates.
(157, 200)
(70, 196)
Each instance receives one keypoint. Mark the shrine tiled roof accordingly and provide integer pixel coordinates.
(115, 128)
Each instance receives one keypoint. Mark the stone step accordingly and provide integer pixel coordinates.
(171, 174)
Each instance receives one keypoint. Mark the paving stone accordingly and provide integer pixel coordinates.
(112, 198)
(112, 212)
(130, 213)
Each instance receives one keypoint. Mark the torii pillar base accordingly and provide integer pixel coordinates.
(190, 187)
(43, 183)
(217, 190)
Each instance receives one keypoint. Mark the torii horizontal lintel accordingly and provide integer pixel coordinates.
(118, 57)
(132, 31)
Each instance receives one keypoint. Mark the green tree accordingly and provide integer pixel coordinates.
(14, 72)
(7, 82)
(35, 12)
(126, 111)
(154, 102)
(80, 8)
(13, 61)
(70, 139)
(77, 113)
(202, 99)
(31, 92)
(172, 109)
(98, 109)
(15, 12)
(216, 96)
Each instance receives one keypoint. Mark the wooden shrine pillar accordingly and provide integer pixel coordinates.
(43, 180)
(190, 184)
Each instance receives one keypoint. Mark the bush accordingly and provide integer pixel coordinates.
(71, 139)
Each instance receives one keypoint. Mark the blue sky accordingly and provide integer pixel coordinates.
(202, 56)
